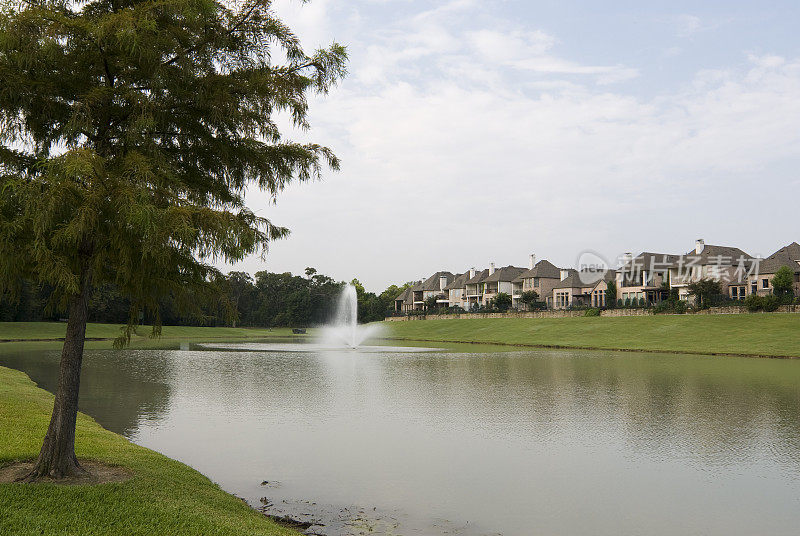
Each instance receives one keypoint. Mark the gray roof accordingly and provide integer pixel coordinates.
(543, 268)
(507, 273)
(459, 281)
(646, 260)
(574, 279)
(711, 252)
(432, 283)
(404, 296)
(786, 256)
(479, 277)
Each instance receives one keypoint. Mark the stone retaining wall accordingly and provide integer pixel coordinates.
(730, 310)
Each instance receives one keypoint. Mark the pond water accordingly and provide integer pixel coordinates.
(468, 443)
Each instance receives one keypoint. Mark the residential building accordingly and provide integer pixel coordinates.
(433, 286)
(499, 280)
(474, 287)
(404, 302)
(456, 291)
(729, 266)
(581, 289)
(761, 282)
(644, 277)
(540, 277)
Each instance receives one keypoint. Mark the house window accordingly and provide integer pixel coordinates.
(735, 293)
(765, 283)
(535, 282)
(754, 288)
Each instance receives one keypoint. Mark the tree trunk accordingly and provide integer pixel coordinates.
(57, 457)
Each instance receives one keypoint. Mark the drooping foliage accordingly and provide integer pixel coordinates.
(129, 133)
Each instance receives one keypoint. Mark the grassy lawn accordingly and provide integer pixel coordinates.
(164, 497)
(20, 331)
(772, 334)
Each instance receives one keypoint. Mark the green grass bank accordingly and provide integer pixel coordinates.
(767, 335)
(164, 497)
(42, 331)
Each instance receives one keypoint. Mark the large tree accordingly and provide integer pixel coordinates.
(130, 131)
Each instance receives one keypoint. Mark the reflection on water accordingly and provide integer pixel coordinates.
(119, 389)
(550, 442)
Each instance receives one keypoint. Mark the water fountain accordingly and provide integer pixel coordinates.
(342, 333)
(344, 329)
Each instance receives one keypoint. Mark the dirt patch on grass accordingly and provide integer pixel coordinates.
(96, 473)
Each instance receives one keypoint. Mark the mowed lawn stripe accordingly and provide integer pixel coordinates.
(768, 334)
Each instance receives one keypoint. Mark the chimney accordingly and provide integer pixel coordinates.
(564, 274)
(699, 246)
(472, 272)
(491, 268)
(442, 282)
(532, 261)
(627, 258)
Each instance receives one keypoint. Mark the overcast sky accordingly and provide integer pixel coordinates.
(477, 131)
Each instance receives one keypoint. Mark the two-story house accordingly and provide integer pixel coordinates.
(644, 277)
(761, 282)
(499, 280)
(473, 288)
(729, 266)
(456, 291)
(540, 277)
(581, 289)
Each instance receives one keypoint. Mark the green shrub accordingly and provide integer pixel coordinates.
(754, 303)
(771, 303)
(592, 312)
(670, 306)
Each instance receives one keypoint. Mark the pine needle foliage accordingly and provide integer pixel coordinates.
(130, 131)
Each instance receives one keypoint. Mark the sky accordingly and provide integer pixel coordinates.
(473, 132)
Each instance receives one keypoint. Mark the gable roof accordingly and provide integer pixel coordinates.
(507, 273)
(479, 277)
(647, 260)
(574, 279)
(458, 282)
(709, 254)
(543, 268)
(786, 256)
(432, 283)
(404, 296)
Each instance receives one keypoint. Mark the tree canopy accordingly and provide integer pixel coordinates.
(130, 131)
(783, 282)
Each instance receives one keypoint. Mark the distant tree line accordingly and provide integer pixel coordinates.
(264, 300)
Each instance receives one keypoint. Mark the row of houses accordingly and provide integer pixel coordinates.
(647, 277)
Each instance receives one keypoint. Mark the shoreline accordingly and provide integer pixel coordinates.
(162, 496)
(766, 335)
(594, 348)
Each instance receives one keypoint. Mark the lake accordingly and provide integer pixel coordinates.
(466, 442)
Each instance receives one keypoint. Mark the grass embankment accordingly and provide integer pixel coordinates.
(43, 331)
(771, 335)
(162, 497)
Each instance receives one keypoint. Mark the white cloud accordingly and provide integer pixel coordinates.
(465, 147)
(688, 25)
